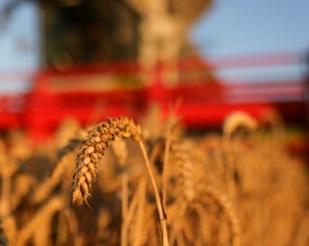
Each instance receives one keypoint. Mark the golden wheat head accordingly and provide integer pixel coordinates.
(92, 149)
(237, 120)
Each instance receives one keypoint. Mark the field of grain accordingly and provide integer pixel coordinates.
(152, 183)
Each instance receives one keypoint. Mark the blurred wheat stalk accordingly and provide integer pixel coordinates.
(227, 189)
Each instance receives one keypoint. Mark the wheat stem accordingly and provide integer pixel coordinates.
(124, 207)
(6, 188)
(165, 163)
(127, 220)
(157, 196)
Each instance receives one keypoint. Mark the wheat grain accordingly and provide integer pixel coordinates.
(93, 149)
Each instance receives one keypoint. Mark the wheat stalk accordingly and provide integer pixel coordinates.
(72, 226)
(130, 214)
(10, 229)
(22, 184)
(165, 162)
(227, 207)
(194, 190)
(38, 226)
(92, 151)
(121, 152)
(57, 176)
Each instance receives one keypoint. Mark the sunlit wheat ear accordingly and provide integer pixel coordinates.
(92, 150)
(237, 120)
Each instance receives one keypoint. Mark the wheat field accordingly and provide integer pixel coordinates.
(120, 182)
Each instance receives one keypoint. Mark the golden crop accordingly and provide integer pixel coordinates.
(166, 187)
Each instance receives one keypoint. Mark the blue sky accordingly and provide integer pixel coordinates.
(19, 39)
(232, 27)
(244, 27)
(235, 27)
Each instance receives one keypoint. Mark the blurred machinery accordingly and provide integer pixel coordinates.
(83, 31)
(147, 59)
(93, 92)
(76, 32)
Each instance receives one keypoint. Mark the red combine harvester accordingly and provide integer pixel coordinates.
(93, 92)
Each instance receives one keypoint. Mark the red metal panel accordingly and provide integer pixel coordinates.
(203, 104)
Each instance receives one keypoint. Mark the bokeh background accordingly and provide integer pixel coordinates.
(212, 95)
(243, 51)
(223, 29)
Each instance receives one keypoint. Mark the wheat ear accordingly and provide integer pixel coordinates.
(238, 119)
(92, 151)
(227, 207)
(184, 164)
